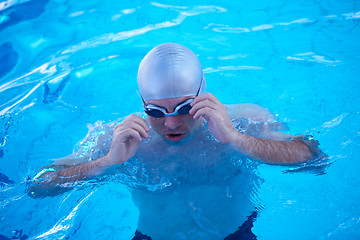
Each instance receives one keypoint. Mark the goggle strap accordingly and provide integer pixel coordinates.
(197, 94)
(140, 96)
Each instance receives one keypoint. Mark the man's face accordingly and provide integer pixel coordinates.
(173, 128)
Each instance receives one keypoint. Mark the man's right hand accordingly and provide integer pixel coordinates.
(126, 139)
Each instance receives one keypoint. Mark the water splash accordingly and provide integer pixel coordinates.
(334, 122)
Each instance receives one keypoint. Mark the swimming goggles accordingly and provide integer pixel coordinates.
(159, 112)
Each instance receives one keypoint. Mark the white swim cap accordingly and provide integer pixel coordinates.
(170, 70)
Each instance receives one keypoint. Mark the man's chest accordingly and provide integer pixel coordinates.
(214, 210)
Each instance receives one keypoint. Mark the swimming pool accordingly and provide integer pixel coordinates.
(60, 61)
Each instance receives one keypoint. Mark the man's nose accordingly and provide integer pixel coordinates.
(172, 122)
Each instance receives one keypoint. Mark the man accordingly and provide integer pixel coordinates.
(190, 159)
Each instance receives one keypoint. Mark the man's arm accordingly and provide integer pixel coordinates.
(125, 142)
(269, 151)
(58, 174)
(55, 179)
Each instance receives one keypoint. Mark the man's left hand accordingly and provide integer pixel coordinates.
(214, 112)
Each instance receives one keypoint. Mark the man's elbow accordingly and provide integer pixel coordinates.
(41, 190)
(45, 184)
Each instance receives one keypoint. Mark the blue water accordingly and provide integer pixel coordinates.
(64, 65)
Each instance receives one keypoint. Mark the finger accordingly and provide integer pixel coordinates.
(129, 133)
(135, 135)
(140, 129)
(132, 119)
(135, 126)
(205, 112)
(139, 120)
(204, 96)
(202, 104)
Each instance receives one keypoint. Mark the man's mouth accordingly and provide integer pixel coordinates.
(175, 136)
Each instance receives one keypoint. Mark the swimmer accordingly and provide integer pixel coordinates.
(190, 137)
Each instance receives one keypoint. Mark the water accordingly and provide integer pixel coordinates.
(65, 65)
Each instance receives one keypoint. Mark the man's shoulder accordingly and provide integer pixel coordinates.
(249, 111)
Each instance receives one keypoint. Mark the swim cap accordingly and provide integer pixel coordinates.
(170, 70)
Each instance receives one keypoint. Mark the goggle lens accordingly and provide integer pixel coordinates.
(184, 109)
(158, 112)
(154, 113)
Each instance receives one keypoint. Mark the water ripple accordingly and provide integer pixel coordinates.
(106, 38)
(334, 122)
(229, 29)
(192, 11)
(60, 228)
(312, 57)
(26, 79)
(9, 3)
(230, 68)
